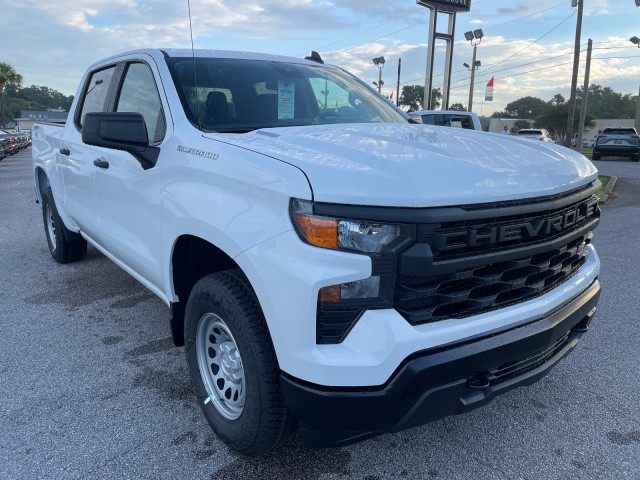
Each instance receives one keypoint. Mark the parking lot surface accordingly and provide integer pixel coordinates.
(91, 386)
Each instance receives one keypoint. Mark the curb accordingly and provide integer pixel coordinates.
(609, 189)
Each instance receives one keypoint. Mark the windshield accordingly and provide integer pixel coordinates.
(233, 95)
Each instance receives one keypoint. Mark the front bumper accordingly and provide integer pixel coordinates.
(435, 383)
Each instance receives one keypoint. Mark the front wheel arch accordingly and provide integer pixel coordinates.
(192, 258)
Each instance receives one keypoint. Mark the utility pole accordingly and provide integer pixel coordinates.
(473, 78)
(636, 41)
(398, 87)
(638, 114)
(574, 78)
(585, 96)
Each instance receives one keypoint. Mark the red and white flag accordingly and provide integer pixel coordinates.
(488, 96)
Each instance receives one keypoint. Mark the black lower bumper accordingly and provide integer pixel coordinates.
(434, 384)
(621, 151)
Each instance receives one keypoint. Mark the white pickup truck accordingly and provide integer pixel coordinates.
(330, 266)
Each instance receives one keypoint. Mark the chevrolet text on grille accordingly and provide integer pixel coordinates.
(516, 231)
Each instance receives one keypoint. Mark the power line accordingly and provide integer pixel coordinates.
(532, 43)
(480, 82)
(421, 22)
(547, 68)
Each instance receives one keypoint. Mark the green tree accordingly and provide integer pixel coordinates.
(526, 107)
(554, 118)
(458, 107)
(13, 107)
(412, 96)
(603, 102)
(520, 124)
(45, 96)
(8, 76)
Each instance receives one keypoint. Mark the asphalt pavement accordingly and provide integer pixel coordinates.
(91, 386)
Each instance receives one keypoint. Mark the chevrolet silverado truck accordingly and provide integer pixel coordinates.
(330, 266)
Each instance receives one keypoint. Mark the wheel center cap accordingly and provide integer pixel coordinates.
(230, 362)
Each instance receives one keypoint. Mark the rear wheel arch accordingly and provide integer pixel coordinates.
(42, 182)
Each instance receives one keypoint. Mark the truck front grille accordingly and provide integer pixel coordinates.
(477, 290)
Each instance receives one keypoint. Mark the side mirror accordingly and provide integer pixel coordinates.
(124, 131)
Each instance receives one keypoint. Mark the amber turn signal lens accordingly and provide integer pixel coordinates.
(320, 232)
(329, 294)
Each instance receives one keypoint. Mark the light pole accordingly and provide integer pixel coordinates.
(379, 63)
(475, 37)
(325, 92)
(636, 41)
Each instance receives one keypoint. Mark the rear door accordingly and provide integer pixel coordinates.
(75, 159)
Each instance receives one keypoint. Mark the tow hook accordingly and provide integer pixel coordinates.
(583, 326)
(478, 382)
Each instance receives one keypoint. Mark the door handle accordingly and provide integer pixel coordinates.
(65, 151)
(101, 163)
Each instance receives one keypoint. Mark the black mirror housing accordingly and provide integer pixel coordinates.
(124, 131)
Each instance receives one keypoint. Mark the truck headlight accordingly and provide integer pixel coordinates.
(340, 306)
(364, 236)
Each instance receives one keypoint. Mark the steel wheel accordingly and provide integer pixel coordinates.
(50, 223)
(220, 366)
(65, 246)
(233, 365)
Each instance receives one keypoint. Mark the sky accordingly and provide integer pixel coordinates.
(527, 46)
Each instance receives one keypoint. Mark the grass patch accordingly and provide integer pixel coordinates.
(605, 181)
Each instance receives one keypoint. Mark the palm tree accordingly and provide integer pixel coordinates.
(7, 75)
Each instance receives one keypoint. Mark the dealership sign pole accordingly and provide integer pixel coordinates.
(450, 7)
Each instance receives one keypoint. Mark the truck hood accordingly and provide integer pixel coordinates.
(418, 165)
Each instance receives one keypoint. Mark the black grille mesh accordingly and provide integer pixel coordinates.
(477, 290)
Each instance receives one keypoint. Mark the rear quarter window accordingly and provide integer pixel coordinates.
(619, 131)
(95, 93)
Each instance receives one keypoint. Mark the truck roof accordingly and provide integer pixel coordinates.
(208, 53)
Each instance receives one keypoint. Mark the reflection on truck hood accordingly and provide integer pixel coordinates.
(418, 165)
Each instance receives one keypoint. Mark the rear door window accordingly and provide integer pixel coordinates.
(95, 94)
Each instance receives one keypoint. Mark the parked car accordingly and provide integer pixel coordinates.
(21, 138)
(448, 118)
(589, 142)
(617, 141)
(535, 134)
(2, 154)
(11, 144)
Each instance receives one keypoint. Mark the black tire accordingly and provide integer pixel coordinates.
(595, 156)
(230, 354)
(635, 157)
(65, 246)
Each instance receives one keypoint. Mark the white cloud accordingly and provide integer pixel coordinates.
(56, 41)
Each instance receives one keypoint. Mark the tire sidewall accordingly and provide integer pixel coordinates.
(239, 432)
(49, 204)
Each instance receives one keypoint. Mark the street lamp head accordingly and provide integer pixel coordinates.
(635, 40)
(478, 33)
(478, 64)
(379, 62)
(468, 36)
(466, 65)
